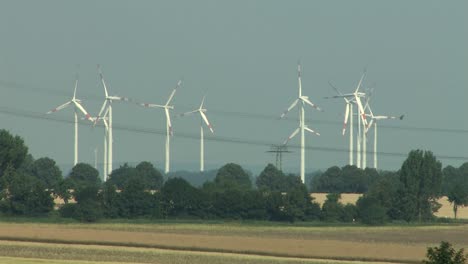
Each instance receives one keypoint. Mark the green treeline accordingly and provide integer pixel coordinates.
(28, 188)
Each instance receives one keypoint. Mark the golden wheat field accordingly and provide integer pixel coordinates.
(392, 244)
(445, 211)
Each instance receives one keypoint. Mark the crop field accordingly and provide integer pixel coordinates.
(445, 211)
(27, 252)
(213, 243)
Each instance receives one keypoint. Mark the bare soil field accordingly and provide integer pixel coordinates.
(445, 211)
(394, 244)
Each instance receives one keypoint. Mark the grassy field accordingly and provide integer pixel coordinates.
(402, 244)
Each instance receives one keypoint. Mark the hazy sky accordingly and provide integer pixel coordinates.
(243, 56)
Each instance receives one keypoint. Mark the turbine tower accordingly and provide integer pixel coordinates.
(77, 107)
(107, 107)
(302, 126)
(105, 161)
(167, 107)
(203, 119)
(374, 121)
(350, 99)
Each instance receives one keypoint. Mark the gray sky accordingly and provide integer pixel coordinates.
(243, 56)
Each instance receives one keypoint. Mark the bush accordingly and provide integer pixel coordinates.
(445, 254)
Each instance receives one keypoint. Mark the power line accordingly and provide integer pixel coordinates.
(93, 97)
(214, 138)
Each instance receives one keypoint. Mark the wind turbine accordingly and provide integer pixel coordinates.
(105, 161)
(167, 107)
(350, 99)
(302, 127)
(107, 107)
(203, 119)
(374, 121)
(77, 107)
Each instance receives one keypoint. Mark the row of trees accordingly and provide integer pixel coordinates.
(28, 187)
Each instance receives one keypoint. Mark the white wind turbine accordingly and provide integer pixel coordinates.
(107, 108)
(350, 99)
(374, 121)
(105, 162)
(167, 107)
(77, 107)
(203, 119)
(302, 127)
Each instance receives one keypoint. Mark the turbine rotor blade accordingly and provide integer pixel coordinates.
(345, 123)
(360, 81)
(173, 92)
(103, 108)
(206, 121)
(81, 108)
(334, 88)
(291, 136)
(60, 107)
(289, 108)
(307, 101)
(102, 81)
(311, 131)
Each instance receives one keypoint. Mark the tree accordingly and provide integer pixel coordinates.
(458, 196)
(271, 179)
(332, 209)
(233, 176)
(119, 176)
(371, 211)
(445, 254)
(46, 171)
(181, 199)
(87, 207)
(12, 151)
(134, 200)
(421, 178)
(152, 178)
(24, 195)
(84, 174)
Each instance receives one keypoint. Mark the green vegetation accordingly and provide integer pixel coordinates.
(445, 254)
(28, 186)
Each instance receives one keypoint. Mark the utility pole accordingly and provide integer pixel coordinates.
(279, 150)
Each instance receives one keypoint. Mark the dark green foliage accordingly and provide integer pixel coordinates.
(294, 205)
(87, 207)
(181, 199)
(455, 186)
(12, 151)
(144, 172)
(46, 171)
(421, 178)
(24, 195)
(332, 209)
(458, 196)
(371, 211)
(83, 175)
(233, 176)
(109, 199)
(150, 176)
(119, 176)
(348, 179)
(63, 189)
(271, 179)
(445, 254)
(134, 200)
